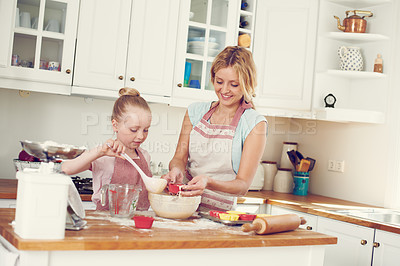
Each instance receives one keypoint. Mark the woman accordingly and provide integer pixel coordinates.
(221, 143)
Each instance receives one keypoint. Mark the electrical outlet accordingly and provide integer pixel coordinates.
(339, 166)
(331, 165)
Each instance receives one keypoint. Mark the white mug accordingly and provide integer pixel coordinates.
(53, 25)
(53, 66)
(25, 19)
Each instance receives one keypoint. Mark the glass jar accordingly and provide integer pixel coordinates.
(270, 170)
(285, 162)
(283, 181)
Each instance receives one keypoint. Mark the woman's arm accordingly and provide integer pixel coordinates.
(253, 150)
(82, 162)
(177, 166)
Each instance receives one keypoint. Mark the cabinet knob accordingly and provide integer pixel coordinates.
(376, 244)
(121, 77)
(68, 71)
(179, 85)
(364, 242)
(132, 78)
(309, 227)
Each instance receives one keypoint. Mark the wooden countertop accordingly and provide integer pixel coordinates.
(105, 233)
(312, 204)
(321, 206)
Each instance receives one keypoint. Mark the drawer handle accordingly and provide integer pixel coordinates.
(68, 71)
(364, 242)
(376, 245)
(309, 227)
(121, 77)
(179, 85)
(132, 78)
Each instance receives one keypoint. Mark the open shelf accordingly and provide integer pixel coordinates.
(355, 74)
(356, 37)
(349, 115)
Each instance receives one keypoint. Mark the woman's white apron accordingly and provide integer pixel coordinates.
(210, 153)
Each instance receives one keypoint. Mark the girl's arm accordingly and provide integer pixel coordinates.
(83, 162)
(177, 165)
(253, 150)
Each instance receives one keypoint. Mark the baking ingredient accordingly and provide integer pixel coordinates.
(274, 224)
(24, 156)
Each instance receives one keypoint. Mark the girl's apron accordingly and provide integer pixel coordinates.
(125, 173)
(210, 153)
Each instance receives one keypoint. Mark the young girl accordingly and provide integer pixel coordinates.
(131, 118)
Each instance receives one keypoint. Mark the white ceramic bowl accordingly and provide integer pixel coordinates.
(173, 207)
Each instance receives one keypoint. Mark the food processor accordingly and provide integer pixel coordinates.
(47, 199)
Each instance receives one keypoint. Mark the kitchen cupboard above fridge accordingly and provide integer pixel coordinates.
(126, 44)
(361, 96)
(206, 27)
(38, 44)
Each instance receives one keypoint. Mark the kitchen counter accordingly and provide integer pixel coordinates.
(318, 205)
(215, 241)
(312, 204)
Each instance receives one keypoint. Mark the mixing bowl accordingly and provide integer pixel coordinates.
(173, 207)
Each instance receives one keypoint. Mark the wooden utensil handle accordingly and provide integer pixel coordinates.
(274, 224)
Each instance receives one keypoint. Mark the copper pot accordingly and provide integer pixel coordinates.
(354, 23)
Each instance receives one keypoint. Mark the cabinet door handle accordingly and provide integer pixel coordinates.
(68, 71)
(309, 227)
(179, 85)
(132, 78)
(121, 77)
(364, 242)
(376, 244)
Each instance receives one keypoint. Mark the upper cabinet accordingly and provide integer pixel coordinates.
(206, 27)
(284, 53)
(126, 43)
(345, 59)
(38, 44)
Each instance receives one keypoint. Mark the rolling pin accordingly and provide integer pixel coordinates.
(274, 224)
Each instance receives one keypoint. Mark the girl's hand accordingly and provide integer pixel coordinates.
(175, 176)
(113, 148)
(196, 186)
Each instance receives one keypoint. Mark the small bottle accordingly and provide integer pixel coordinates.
(378, 66)
(243, 24)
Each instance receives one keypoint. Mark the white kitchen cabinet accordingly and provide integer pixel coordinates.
(355, 243)
(38, 45)
(311, 219)
(361, 95)
(126, 43)
(386, 249)
(205, 29)
(284, 52)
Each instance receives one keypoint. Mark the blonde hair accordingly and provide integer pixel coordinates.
(128, 97)
(241, 60)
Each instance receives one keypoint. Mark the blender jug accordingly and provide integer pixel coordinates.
(122, 199)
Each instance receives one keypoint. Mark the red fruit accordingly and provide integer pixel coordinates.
(24, 156)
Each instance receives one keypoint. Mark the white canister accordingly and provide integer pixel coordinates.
(270, 170)
(350, 58)
(258, 180)
(41, 205)
(285, 162)
(283, 181)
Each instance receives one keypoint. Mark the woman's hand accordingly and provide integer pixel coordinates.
(175, 176)
(113, 148)
(196, 186)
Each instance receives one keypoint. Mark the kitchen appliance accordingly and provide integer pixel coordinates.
(354, 23)
(47, 200)
(122, 199)
(258, 180)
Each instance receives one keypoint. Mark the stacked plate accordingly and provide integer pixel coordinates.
(196, 46)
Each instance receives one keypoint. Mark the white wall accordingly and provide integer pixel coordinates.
(74, 120)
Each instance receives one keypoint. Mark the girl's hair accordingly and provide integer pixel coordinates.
(128, 97)
(241, 60)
